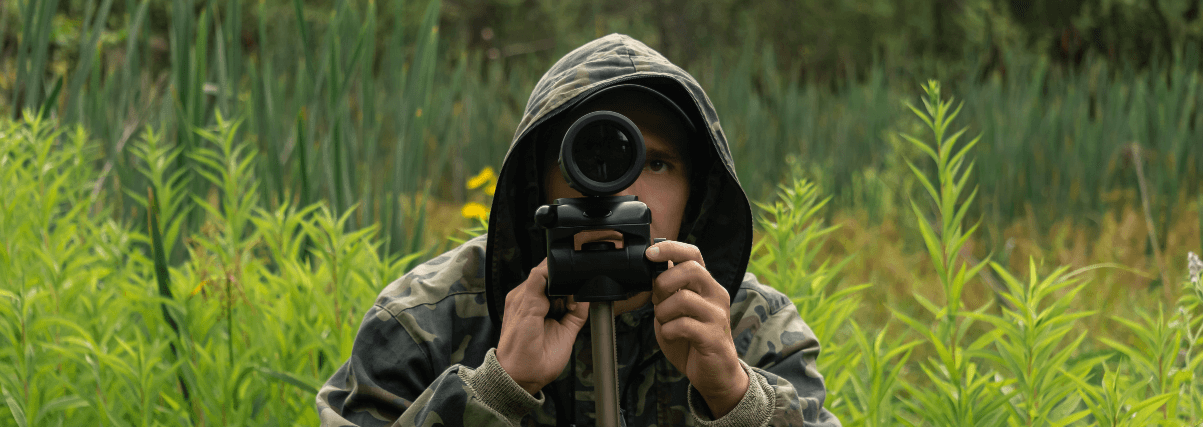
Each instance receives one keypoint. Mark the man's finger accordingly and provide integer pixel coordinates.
(677, 252)
(684, 328)
(688, 304)
(690, 275)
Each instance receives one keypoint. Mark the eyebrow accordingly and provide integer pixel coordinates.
(656, 152)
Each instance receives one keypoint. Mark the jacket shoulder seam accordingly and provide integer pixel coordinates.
(394, 313)
(429, 361)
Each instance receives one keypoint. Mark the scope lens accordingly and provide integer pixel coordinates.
(604, 152)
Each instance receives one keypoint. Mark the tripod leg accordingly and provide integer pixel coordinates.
(605, 365)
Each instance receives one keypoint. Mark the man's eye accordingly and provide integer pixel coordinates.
(656, 166)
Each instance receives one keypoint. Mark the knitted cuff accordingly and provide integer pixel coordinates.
(498, 391)
(755, 409)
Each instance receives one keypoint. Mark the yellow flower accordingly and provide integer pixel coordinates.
(198, 287)
(486, 176)
(475, 210)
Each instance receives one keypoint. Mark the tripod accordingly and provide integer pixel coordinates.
(600, 274)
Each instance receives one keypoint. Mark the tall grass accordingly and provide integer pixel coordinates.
(311, 98)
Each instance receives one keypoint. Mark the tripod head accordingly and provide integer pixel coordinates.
(600, 271)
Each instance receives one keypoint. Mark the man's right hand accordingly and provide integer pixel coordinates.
(534, 349)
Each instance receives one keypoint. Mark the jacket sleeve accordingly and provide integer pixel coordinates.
(778, 351)
(389, 380)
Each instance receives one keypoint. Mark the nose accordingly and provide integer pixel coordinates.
(632, 190)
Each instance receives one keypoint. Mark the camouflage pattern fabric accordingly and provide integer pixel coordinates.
(423, 357)
(424, 354)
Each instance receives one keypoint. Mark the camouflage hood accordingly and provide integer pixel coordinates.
(718, 217)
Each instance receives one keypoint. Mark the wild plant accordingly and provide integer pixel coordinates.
(962, 391)
(1152, 362)
(1164, 362)
(1190, 310)
(222, 252)
(168, 183)
(51, 362)
(871, 396)
(1117, 401)
(787, 258)
(793, 234)
(1033, 348)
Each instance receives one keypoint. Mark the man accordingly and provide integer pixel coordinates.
(469, 338)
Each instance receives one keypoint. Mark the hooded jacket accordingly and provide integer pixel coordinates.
(425, 352)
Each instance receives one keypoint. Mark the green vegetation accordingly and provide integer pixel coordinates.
(199, 199)
(98, 325)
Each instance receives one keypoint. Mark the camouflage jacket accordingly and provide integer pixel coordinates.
(423, 355)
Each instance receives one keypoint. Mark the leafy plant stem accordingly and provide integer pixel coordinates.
(976, 401)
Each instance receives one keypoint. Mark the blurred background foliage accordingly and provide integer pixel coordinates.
(825, 41)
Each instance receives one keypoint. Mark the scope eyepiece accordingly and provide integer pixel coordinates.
(602, 153)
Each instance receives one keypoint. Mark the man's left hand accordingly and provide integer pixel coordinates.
(693, 326)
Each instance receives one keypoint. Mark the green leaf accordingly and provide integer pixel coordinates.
(931, 190)
(307, 386)
(59, 404)
(923, 117)
(52, 99)
(922, 146)
(15, 408)
(1144, 410)
(934, 248)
